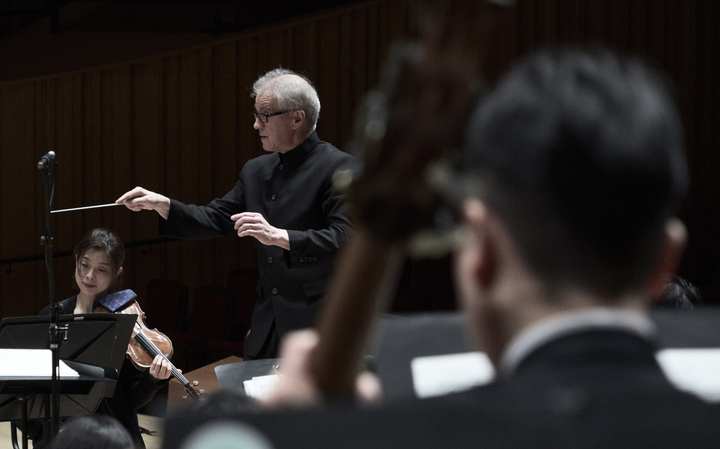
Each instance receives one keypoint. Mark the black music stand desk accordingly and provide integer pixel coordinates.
(232, 375)
(95, 347)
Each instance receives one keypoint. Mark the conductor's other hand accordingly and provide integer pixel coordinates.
(296, 387)
(252, 224)
(160, 368)
(142, 199)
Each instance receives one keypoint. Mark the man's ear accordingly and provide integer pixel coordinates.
(477, 218)
(298, 118)
(668, 259)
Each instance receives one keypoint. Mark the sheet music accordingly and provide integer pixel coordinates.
(31, 363)
(442, 374)
(258, 387)
(694, 370)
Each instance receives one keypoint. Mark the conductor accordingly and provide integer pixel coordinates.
(285, 200)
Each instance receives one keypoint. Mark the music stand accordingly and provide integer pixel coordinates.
(95, 347)
(232, 375)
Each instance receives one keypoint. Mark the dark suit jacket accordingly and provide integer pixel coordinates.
(599, 389)
(292, 191)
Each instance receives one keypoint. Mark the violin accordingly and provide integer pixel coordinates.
(145, 344)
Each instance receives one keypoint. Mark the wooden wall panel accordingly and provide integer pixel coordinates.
(328, 79)
(17, 188)
(180, 123)
(706, 126)
(547, 21)
(224, 166)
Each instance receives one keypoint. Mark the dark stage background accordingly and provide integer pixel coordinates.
(157, 94)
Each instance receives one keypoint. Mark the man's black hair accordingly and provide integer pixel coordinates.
(681, 294)
(580, 154)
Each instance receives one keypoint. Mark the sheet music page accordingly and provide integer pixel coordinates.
(31, 363)
(258, 387)
(443, 374)
(695, 370)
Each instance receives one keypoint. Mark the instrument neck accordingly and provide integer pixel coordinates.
(150, 347)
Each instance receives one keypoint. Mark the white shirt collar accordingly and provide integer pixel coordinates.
(567, 323)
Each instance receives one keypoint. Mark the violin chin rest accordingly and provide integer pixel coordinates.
(116, 301)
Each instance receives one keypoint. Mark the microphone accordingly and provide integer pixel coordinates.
(45, 160)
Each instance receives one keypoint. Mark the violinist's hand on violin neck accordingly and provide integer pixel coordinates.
(139, 199)
(161, 368)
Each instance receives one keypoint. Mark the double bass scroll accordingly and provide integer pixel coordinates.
(406, 128)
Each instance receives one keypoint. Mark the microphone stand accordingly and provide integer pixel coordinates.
(48, 166)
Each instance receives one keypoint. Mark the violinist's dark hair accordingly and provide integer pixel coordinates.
(108, 242)
(88, 432)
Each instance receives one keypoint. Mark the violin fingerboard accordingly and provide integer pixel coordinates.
(153, 350)
(147, 345)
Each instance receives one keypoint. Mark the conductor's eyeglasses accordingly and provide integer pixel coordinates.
(265, 117)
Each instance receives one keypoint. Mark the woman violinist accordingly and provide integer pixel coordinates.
(98, 269)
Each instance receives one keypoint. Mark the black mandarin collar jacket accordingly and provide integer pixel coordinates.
(293, 191)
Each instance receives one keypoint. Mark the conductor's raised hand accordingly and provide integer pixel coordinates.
(251, 224)
(142, 199)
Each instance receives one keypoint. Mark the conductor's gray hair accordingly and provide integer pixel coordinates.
(292, 93)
